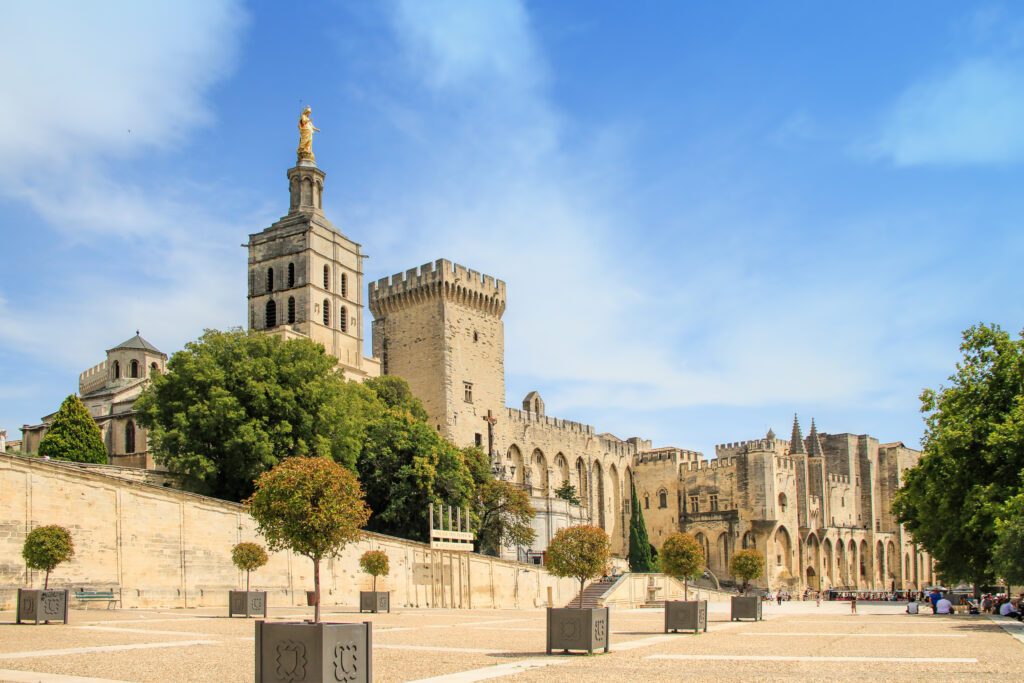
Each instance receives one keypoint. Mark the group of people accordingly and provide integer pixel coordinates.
(1003, 605)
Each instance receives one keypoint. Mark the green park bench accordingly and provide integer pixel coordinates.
(107, 596)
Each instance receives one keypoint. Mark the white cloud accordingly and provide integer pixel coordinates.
(94, 87)
(974, 114)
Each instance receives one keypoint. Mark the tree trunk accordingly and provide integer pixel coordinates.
(374, 583)
(46, 581)
(686, 589)
(246, 580)
(581, 592)
(316, 590)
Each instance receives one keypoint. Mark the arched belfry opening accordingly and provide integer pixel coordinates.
(533, 403)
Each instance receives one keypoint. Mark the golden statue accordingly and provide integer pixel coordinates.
(306, 130)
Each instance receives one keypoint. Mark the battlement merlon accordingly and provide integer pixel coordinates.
(442, 278)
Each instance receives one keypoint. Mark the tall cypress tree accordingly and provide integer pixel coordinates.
(640, 559)
(73, 435)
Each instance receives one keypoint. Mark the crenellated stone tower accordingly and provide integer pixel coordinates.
(440, 328)
(306, 277)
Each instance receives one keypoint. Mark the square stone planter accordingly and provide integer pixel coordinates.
(247, 603)
(374, 601)
(746, 607)
(314, 653)
(686, 615)
(578, 629)
(42, 605)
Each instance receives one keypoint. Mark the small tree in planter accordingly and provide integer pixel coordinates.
(682, 557)
(580, 552)
(248, 557)
(314, 507)
(746, 565)
(375, 563)
(45, 548)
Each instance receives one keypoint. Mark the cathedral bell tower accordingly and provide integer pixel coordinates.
(305, 276)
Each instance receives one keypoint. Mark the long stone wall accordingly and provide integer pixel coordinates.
(167, 548)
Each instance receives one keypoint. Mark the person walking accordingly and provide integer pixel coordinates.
(818, 600)
(853, 604)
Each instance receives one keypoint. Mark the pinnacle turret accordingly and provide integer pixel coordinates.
(814, 448)
(796, 442)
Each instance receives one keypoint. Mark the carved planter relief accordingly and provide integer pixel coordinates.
(686, 615)
(374, 601)
(247, 603)
(301, 652)
(578, 629)
(42, 605)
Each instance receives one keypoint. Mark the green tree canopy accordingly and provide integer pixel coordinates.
(580, 552)
(73, 435)
(312, 506)
(567, 492)
(395, 393)
(232, 404)
(375, 563)
(46, 547)
(972, 463)
(505, 514)
(248, 557)
(682, 557)
(404, 466)
(747, 565)
(640, 556)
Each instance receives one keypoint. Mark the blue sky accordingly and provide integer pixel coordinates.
(709, 215)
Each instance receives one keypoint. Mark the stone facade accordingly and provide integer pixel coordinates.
(109, 390)
(166, 548)
(818, 509)
(306, 278)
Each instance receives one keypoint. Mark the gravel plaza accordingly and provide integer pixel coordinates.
(795, 641)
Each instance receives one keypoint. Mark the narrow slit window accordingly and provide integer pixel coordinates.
(271, 314)
(270, 279)
(291, 275)
(327, 312)
(327, 278)
(344, 285)
(291, 310)
(343, 319)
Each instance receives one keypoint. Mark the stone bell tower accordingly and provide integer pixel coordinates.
(305, 276)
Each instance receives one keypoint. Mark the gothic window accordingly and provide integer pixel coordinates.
(270, 317)
(327, 279)
(133, 369)
(344, 285)
(694, 504)
(291, 310)
(782, 503)
(153, 369)
(117, 370)
(663, 498)
(270, 279)
(647, 502)
(343, 319)
(714, 502)
(478, 439)
(129, 437)
(291, 275)
(467, 389)
(748, 540)
(327, 312)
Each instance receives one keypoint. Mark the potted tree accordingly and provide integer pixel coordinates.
(580, 552)
(375, 563)
(45, 547)
(682, 557)
(248, 557)
(746, 565)
(314, 507)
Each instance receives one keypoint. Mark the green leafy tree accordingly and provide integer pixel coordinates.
(312, 506)
(404, 466)
(248, 557)
(1009, 549)
(73, 435)
(395, 393)
(567, 492)
(579, 552)
(233, 403)
(375, 563)
(682, 557)
(640, 559)
(971, 466)
(46, 547)
(747, 565)
(505, 514)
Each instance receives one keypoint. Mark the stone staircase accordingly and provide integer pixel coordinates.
(592, 594)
